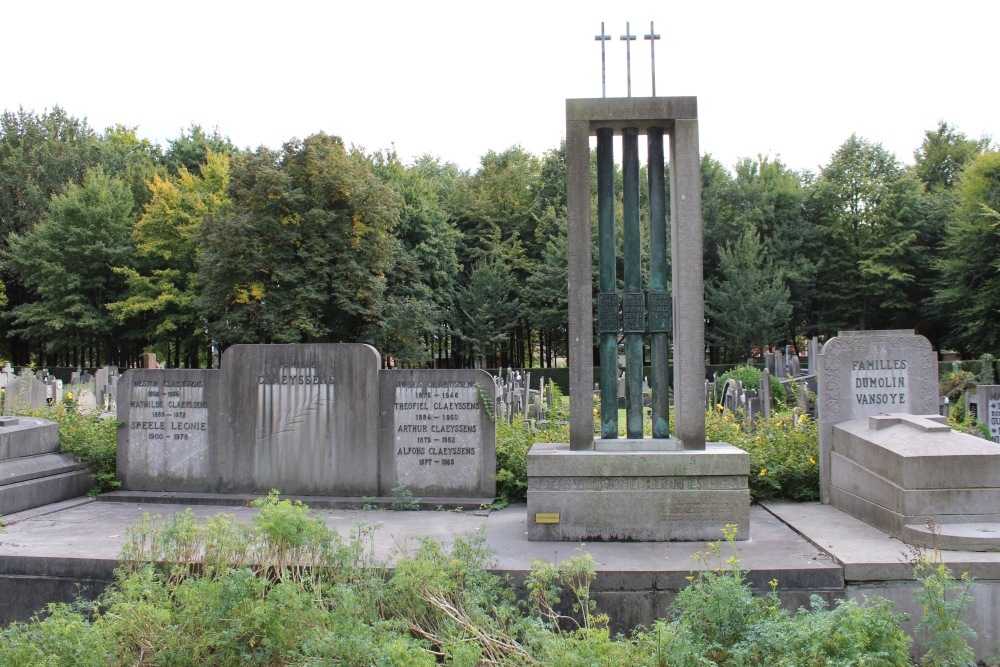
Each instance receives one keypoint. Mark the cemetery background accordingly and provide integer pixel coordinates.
(139, 256)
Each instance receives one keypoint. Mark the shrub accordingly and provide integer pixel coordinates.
(515, 438)
(750, 376)
(90, 439)
(943, 599)
(717, 618)
(284, 589)
(784, 452)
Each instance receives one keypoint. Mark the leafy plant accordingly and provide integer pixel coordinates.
(784, 452)
(514, 440)
(546, 582)
(750, 376)
(944, 599)
(403, 500)
(91, 440)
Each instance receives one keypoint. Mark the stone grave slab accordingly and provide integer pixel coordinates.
(299, 418)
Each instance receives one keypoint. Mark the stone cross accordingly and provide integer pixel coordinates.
(628, 38)
(603, 38)
(652, 37)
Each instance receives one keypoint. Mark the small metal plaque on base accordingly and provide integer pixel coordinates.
(546, 518)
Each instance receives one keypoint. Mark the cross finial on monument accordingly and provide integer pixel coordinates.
(603, 38)
(628, 38)
(652, 37)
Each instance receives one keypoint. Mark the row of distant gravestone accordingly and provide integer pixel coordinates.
(89, 393)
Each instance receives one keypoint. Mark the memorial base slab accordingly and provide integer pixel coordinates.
(620, 493)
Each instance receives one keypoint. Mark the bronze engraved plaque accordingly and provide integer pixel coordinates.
(608, 315)
(634, 312)
(660, 312)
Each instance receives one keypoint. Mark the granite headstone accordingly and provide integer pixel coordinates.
(867, 373)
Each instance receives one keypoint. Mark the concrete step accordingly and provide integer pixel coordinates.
(33, 467)
(972, 536)
(27, 436)
(44, 489)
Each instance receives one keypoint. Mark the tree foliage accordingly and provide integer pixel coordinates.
(202, 245)
(66, 261)
(865, 206)
(970, 268)
(303, 255)
(164, 286)
(746, 301)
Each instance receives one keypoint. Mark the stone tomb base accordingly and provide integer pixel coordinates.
(899, 471)
(620, 493)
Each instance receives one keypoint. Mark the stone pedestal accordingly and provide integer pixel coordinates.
(624, 490)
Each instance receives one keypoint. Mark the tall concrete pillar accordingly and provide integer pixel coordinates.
(688, 281)
(581, 292)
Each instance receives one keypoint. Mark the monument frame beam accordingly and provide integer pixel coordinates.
(678, 116)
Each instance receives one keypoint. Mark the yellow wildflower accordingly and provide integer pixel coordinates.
(812, 460)
(763, 472)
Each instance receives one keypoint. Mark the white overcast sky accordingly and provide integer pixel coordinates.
(455, 79)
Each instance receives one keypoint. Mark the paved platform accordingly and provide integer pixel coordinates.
(808, 548)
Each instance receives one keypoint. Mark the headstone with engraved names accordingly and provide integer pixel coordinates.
(308, 420)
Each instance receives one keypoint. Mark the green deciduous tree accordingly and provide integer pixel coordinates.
(866, 207)
(304, 254)
(190, 150)
(970, 269)
(418, 305)
(66, 262)
(164, 286)
(943, 154)
(939, 162)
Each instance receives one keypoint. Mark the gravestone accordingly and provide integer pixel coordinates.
(85, 400)
(431, 427)
(25, 392)
(163, 439)
(888, 458)
(308, 420)
(867, 373)
(7, 375)
(984, 403)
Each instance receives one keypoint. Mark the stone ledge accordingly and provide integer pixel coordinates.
(558, 460)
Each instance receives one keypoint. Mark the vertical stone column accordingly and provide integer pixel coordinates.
(608, 320)
(580, 278)
(659, 298)
(633, 300)
(689, 297)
